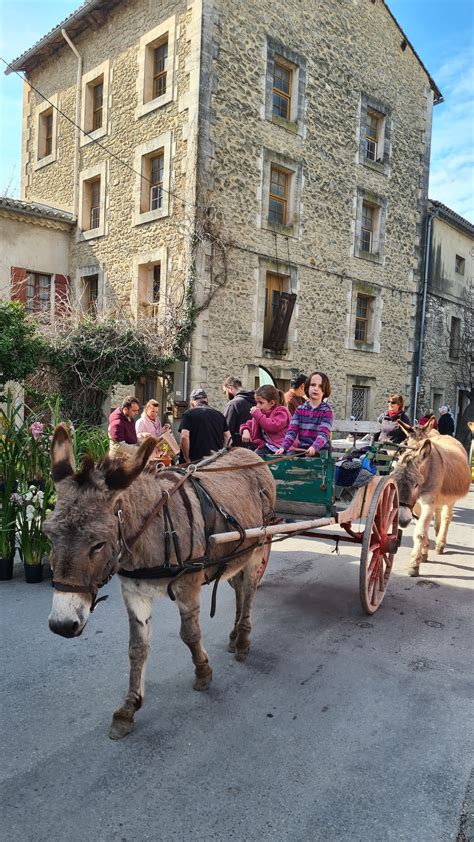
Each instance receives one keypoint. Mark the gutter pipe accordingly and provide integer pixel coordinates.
(75, 185)
(419, 364)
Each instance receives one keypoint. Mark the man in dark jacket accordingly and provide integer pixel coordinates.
(203, 428)
(237, 411)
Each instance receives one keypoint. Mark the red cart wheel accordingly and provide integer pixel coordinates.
(379, 545)
(265, 558)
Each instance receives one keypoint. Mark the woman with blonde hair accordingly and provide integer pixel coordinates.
(149, 424)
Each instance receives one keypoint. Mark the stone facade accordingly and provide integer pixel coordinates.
(447, 342)
(349, 63)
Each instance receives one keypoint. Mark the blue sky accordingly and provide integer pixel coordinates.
(441, 31)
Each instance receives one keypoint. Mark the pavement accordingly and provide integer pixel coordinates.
(339, 727)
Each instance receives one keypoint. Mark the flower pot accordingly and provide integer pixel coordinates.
(33, 573)
(6, 569)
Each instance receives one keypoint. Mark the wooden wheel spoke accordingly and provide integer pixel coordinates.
(381, 530)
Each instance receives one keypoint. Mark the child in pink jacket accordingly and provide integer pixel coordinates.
(269, 422)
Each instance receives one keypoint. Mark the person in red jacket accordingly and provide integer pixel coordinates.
(269, 422)
(428, 416)
(122, 433)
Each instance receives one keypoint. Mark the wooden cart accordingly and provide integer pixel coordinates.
(306, 505)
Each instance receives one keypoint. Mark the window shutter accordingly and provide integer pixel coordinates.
(61, 293)
(277, 339)
(18, 284)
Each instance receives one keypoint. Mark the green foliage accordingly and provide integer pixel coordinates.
(92, 356)
(21, 346)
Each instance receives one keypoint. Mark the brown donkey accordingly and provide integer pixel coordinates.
(432, 474)
(96, 528)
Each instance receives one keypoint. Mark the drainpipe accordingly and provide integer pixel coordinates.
(419, 364)
(75, 184)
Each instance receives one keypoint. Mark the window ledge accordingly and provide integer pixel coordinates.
(371, 257)
(88, 137)
(289, 125)
(150, 216)
(286, 230)
(44, 162)
(153, 104)
(376, 166)
(367, 347)
(90, 234)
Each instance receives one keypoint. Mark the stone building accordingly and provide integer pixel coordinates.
(445, 361)
(272, 158)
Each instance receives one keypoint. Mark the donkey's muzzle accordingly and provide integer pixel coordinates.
(66, 628)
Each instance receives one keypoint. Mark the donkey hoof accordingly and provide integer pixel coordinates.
(231, 646)
(413, 571)
(440, 548)
(120, 728)
(241, 654)
(202, 683)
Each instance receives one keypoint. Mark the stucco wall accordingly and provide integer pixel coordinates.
(31, 246)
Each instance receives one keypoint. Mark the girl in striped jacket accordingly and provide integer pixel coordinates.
(312, 422)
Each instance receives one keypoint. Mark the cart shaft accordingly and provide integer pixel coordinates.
(268, 531)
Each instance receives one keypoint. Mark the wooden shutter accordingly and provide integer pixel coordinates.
(277, 339)
(61, 293)
(18, 284)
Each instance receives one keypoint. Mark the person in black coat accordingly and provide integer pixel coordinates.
(445, 422)
(237, 411)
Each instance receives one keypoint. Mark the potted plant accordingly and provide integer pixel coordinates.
(32, 542)
(9, 458)
(8, 510)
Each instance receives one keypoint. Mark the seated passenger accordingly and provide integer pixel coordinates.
(268, 423)
(310, 427)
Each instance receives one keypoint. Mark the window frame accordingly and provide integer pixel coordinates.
(288, 272)
(90, 81)
(44, 156)
(372, 293)
(459, 265)
(87, 178)
(278, 199)
(144, 154)
(362, 319)
(455, 338)
(279, 54)
(378, 207)
(142, 303)
(369, 106)
(275, 161)
(36, 297)
(149, 42)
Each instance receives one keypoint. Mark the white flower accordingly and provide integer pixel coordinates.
(30, 512)
(28, 497)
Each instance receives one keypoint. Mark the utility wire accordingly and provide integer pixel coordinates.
(341, 275)
(97, 142)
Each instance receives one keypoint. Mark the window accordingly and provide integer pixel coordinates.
(152, 196)
(279, 305)
(95, 103)
(156, 55)
(91, 294)
(160, 68)
(281, 90)
(365, 319)
(362, 318)
(368, 213)
(273, 289)
(156, 164)
(92, 202)
(38, 293)
(148, 292)
(93, 191)
(459, 265)
(360, 402)
(46, 132)
(278, 202)
(281, 193)
(156, 289)
(285, 87)
(375, 134)
(455, 338)
(370, 226)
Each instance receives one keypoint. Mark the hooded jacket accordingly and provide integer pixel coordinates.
(237, 412)
(268, 429)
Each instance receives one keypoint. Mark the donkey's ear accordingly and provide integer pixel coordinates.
(425, 450)
(430, 425)
(407, 428)
(62, 456)
(121, 476)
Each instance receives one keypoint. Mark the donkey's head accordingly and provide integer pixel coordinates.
(84, 528)
(409, 475)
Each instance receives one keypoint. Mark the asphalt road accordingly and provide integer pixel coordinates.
(338, 727)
